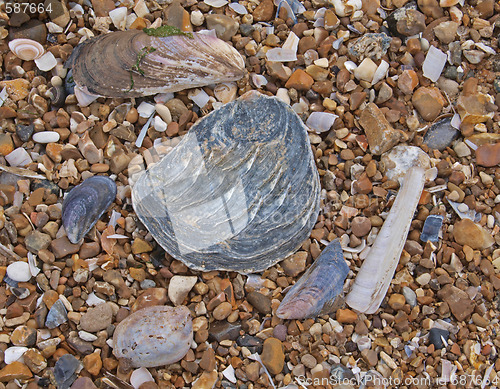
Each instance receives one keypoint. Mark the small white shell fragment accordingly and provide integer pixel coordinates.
(94, 300)
(18, 157)
(19, 271)
(159, 124)
(164, 113)
(13, 354)
(54, 28)
(46, 62)
(179, 288)
(26, 49)
(286, 53)
(321, 121)
(434, 63)
(34, 270)
(141, 9)
(119, 17)
(215, 3)
(142, 134)
(485, 48)
(87, 336)
(381, 72)
(366, 70)
(145, 110)
(46, 137)
(3, 96)
(228, 372)
(259, 80)
(238, 8)
(350, 66)
(84, 98)
(199, 97)
(455, 121)
(140, 376)
(76, 10)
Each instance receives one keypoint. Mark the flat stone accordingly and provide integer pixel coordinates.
(62, 247)
(15, 371)
(300, 80)
(179, 288)
(225, 26)
(429, 102)
(260, 302)
(474, 108)
(6, 145)
(370, 357)
(207, 380)
(23, 336)
(273, 356)
(488, 155)
(37, 241)
(140, 246)
(408, 81)
(97, 318)
(35, 361)
(460, 304)
(441, 134)
(83, 382)
(57, 315)
(294, 264)
(379, 133)
(223, 330)
(346, 316)
(264, 11)
(466, 232)
(252, 343)
(65, 371)
(150, 297)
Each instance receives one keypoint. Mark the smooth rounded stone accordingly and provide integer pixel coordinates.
(179, 288)
(488, 155)
(97, 318)
(65, 371)
(140, 376)
(222, 311)
(438, 337)
(154, 336)
(361, 226)
(272, 355)
(19, 271)
(85, 204)
(57, 315)
(240, 192)
(102, 65)
(280, 332)
(46, 137)
(441, 134)
(466, 232)
(410, 296)
(34, 29)
(260, 302)
(83, 383)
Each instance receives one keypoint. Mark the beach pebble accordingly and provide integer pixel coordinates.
(46, 137)
(19, 271)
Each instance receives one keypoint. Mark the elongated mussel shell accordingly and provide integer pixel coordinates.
(85, 204)
(154, 336)
(104, 65)
(315, 292)
(240, 192)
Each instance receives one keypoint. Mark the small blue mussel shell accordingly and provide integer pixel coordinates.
(315, 292)
(85, 204)
(431, 229)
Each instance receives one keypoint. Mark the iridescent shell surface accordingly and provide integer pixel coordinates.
(106, 65)
(240, 192)
(85, 204)
(154, 336)
(315, 292)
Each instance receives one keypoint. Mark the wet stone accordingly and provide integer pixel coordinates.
(223, 330)
(57, 315)
(253, 343)
(440, 135)
(65, 371)
(436, 337)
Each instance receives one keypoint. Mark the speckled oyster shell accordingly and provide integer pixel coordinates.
(154, 336)
(103, 65)
(85, 204)
(240, 192)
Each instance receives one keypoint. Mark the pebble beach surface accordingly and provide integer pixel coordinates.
(365, 77)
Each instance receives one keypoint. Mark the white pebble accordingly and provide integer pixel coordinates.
(87, 336)
(463, 208)
(197, 18)
(490, 221)
(140, 376)
(46, 137)
(323, 62)
(159, 124)
(13, 354)
(46, 62)
(18, 157)
(179, 288)
(282, 94)
(164, 113)
(56, 81)
(19, 271)
(119, 17)
(145, 110)
(366, 70)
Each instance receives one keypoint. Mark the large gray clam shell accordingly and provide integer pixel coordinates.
(85, 204)
(104, 65)
(154, 336)
(240, 192)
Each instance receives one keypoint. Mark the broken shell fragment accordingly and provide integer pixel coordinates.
(240, 192)
(134, 63)
(26, 49)
(315, 292)
(154, 336)
(85, 204)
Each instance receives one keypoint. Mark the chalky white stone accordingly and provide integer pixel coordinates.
(46, 137)
(19, 271)
(13, 354)
(18, 157)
